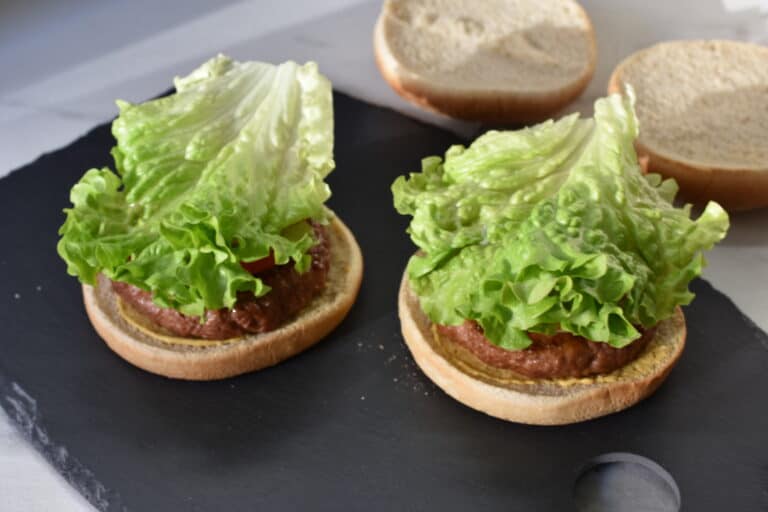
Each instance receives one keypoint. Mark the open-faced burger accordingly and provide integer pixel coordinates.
(209, 252)
(551, 270)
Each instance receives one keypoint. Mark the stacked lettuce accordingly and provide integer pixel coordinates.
(553, 228)
(225, 170)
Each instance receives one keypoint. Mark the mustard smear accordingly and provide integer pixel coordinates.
(141, 324)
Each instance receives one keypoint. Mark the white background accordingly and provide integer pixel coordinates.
(63, 63)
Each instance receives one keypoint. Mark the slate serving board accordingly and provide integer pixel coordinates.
(351, 424)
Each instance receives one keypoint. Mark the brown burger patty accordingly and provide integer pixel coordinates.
(562, 355)
(290, 292)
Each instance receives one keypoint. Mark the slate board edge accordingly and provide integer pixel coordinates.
(22, 410)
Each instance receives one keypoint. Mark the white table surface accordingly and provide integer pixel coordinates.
(62, 64)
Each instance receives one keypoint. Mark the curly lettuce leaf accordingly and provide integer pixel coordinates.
(553, 228)
(218, 173)
(482, 192)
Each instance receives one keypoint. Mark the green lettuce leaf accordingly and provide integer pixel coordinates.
(225, 170)
(553, 228)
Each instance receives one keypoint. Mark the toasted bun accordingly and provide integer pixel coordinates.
(540, 402)
(204, 360)
(496, 60)
(703, 117)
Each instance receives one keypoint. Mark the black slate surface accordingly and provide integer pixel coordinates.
(351, 424)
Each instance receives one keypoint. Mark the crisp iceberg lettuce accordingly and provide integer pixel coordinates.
(223, 171)
(552, 228)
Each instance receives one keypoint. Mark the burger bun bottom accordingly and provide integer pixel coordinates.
(204, 360)
(541, 401)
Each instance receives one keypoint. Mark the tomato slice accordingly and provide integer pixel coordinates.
(256, 266)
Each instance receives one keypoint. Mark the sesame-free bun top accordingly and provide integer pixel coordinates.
(703, 113)
(495, 60)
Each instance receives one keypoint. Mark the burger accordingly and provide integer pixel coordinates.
(209, 252)
(550, 272)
